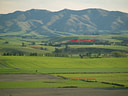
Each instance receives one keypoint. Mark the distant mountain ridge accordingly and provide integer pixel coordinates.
(64, 22)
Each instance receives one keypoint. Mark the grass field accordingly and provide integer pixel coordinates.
(28, 64)
(63, 66)
(43, 81)
(49, 72)
(99, 37)
(120, 78)
(53, 84)
(15, 43)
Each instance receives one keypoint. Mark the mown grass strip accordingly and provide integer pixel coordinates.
(44, 84)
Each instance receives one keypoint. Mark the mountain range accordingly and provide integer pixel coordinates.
(65, 22)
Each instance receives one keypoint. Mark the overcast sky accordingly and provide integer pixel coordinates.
(8, 6)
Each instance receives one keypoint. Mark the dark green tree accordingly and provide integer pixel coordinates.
(23, 44)
(56, 50)
(81, 56)
(33, 43)
(6, 42)
(119, 54)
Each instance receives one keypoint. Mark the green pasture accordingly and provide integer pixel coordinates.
(61, 62)
(50, 84)
(120, 78)
(60, 65)
(28, 64)
(98, 37)
(15, 43)
(112, 70)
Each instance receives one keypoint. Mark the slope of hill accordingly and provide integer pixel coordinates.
(65, 22)
(60, 64)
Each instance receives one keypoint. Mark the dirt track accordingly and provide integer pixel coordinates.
(64, 92)
(27, 77)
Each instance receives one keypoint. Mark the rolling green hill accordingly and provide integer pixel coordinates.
(110, 38)
(28, 64)
(14, 44)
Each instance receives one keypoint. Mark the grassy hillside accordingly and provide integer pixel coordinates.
(15, 43)
(63, 23)
(112, 70)
(61, 65)
(28, 64)
(99, 37)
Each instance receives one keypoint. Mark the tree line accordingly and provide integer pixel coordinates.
(35, 54)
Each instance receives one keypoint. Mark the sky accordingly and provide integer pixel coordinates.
(9, 6)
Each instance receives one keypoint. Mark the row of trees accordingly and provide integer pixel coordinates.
(13, 54)
(85, 50)
(99, 55)
(90, 55)
(36, 54)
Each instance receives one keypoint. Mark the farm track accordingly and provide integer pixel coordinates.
(65, 92)
(27, 77)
